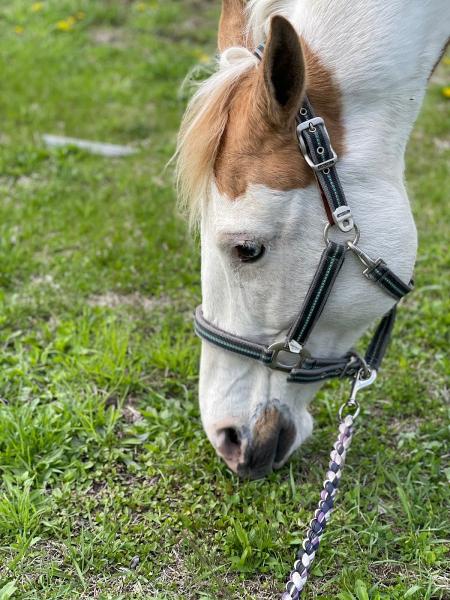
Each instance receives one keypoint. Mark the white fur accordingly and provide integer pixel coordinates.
(381, 53)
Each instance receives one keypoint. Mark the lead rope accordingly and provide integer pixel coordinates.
(307, 553)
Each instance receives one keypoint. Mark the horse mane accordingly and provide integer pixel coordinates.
(259, 13)
(206, 115)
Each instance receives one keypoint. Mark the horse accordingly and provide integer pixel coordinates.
(364, 66)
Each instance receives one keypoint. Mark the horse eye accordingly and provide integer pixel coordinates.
(249, 251)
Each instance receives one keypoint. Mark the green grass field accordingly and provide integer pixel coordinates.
(102, 454)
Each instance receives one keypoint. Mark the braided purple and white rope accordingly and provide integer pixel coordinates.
(307, 553)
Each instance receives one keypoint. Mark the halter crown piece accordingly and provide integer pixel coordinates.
(290, 355)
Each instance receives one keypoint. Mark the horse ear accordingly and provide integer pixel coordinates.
(283, 71)
(232, 24)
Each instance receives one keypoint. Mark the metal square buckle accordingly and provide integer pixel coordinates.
(293, 350)
(311, 126)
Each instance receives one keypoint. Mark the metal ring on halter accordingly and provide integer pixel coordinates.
(328, 227)
(366, 370)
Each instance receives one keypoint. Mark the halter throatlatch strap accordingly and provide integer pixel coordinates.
(380, 340)
(378, 272)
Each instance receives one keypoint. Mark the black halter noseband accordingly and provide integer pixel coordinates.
(290, 355)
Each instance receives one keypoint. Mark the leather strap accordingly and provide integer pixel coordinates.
(316, 147)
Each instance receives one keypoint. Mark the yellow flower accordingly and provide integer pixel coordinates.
(140, 6)
(19, 29)
(65, 25)
(446, 91)
(202, 57)
(37, 6)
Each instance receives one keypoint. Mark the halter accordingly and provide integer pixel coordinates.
(290, 355)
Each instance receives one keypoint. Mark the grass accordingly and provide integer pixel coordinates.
(109, 488)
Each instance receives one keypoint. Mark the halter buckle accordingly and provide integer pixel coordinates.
(291, 349)
(310, 125)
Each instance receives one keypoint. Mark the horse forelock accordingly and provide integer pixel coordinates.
(222, 132)
(203, 126)
(206, 116)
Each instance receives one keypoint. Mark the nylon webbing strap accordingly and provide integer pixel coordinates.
(316, 147)
(385, 278)
(324, 278)
(380, 340)
(227, 341)
(311, 369)
(319, 369)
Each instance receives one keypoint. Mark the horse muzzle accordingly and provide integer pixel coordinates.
(254, 451)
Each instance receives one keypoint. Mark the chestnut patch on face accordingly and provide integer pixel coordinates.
(257, 149)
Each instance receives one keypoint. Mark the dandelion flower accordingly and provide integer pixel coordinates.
(19, 29)
(37, 7)
(202, 57)
(446, 91)
(65, 25)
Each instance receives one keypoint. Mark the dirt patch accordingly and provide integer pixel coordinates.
(135, 300)
(42, 281)
(441, 145)
(108, 36)
(387, 572)
(131, 414)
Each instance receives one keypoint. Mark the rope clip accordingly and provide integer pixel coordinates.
(361, 381)
(366, 260)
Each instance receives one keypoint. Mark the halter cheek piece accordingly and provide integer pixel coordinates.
(290, 355)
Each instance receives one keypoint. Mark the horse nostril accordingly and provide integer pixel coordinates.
(285, 439)
(272, 436)
(232, 435)
(229, 443)
(252, 451)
